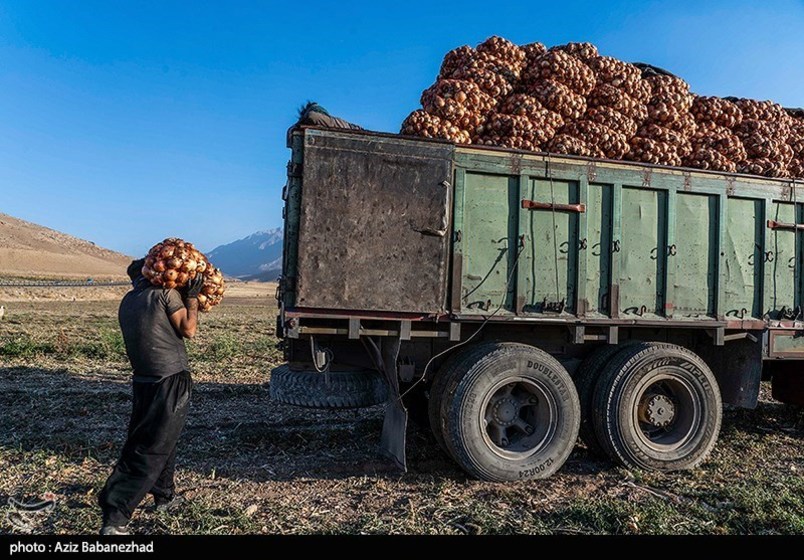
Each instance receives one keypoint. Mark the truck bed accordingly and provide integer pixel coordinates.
(384, 226)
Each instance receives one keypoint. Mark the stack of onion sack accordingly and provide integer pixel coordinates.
(174, 262)
(663, 137)
(615, 108)
(765, 131)
(570, 99)
(714, 145)
(560, 80)
(468, 89)
(796, 142)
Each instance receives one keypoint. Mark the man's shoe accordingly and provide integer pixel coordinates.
(171, 505)
(114, 530)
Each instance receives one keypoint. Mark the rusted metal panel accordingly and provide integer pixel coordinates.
(374, 225)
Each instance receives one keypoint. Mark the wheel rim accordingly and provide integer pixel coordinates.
(519, 417)
(667, 412)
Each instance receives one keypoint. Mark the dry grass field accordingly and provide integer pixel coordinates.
(250, 465)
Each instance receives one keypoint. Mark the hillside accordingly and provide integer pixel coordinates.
(31, 250)
(256, 257)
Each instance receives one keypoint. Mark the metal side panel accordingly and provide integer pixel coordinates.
(374, 226)
(644, 252)
(489, 242)
(780, 263)
(549, 262)
(785, 344)
(599, 242)
(695, 255)
(742, 266)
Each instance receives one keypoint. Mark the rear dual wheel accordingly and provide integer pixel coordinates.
(656, 406)
(508, 411)
(586, 377)
(505, 411)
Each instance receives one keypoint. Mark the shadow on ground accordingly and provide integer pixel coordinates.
(236, 431)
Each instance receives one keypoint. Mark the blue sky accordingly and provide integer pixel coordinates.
(126, 122)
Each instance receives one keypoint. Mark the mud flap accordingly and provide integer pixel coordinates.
(737, 368)
(394, 426)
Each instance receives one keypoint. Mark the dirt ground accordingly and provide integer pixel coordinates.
(251, 465)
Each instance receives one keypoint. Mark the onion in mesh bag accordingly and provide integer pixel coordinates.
(174, 262)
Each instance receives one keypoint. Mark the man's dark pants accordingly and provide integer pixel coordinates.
(148, 460)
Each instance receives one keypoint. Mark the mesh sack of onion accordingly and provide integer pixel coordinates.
(174, 262)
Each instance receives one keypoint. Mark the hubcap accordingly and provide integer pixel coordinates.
(518, 417)
(668, 412)
(657, 410)
(505, 411)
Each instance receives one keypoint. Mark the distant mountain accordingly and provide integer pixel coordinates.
(31, 250)
(256, 257)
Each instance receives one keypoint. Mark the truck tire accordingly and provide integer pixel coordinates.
(509, 412)
(311, 389)
(657, 407)
(586, 378)
(458, 361)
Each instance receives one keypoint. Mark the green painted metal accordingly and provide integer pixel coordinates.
(661, 244)
(791, 343)
(489, 241)
(742, 267)
(720, 292)
(655, 245)
(670, 257)
(599, 247)
(456, 269)
(780, 263)
(616, 249)
(696, 254)
(581, 298)
(644, 251)
(549, 260)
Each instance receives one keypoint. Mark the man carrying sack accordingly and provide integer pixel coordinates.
(154, 321)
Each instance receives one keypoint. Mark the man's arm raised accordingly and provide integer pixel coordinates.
(185, 320)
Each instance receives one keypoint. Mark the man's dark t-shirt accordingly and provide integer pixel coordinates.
(153, 346)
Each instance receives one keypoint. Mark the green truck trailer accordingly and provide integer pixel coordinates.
(514, 300)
